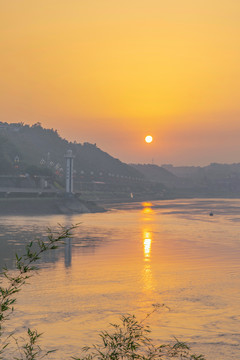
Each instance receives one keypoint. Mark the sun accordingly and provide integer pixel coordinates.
(148, 139)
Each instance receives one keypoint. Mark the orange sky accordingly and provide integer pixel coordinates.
(110, 72)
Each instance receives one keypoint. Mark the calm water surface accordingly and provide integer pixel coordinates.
(127, 259)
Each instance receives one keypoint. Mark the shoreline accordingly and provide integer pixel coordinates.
(47, 206)
(43, 206)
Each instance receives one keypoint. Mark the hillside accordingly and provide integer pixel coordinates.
(158, 174)
(25, 148)
(32, 160)
(222, 179)
(214, 180)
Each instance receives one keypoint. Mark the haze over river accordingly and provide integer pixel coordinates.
(127, 259)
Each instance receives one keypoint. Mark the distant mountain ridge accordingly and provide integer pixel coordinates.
(157, 173)
(197, 173)
(212, 180)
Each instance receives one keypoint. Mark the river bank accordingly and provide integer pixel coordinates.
(47, 206)
(29, 203)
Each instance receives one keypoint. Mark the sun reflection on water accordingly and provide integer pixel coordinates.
(147, 236)
(147, 271)
(147, 242)
(147, 209)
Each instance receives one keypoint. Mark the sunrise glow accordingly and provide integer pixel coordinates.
(148, 139)
(99, 71)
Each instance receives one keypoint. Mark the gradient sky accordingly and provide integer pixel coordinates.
(110, 72)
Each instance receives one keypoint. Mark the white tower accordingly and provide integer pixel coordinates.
(69, 172)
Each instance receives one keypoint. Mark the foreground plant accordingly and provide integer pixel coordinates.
(30, 350)
(11, 283)
(130, 340)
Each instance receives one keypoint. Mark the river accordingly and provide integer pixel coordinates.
(123, 261)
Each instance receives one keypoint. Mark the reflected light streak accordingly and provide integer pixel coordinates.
(147, 208)
(147, 272)
(147, 247)
(147, 241)
(147, 277)
(146, 204)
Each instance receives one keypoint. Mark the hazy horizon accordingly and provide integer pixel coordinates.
(111, 73)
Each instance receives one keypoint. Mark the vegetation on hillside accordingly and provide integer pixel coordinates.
(25, 148)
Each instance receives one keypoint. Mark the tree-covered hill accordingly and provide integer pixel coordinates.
(220, 178)
(158, 174)
(25, 148)
(214, 180)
